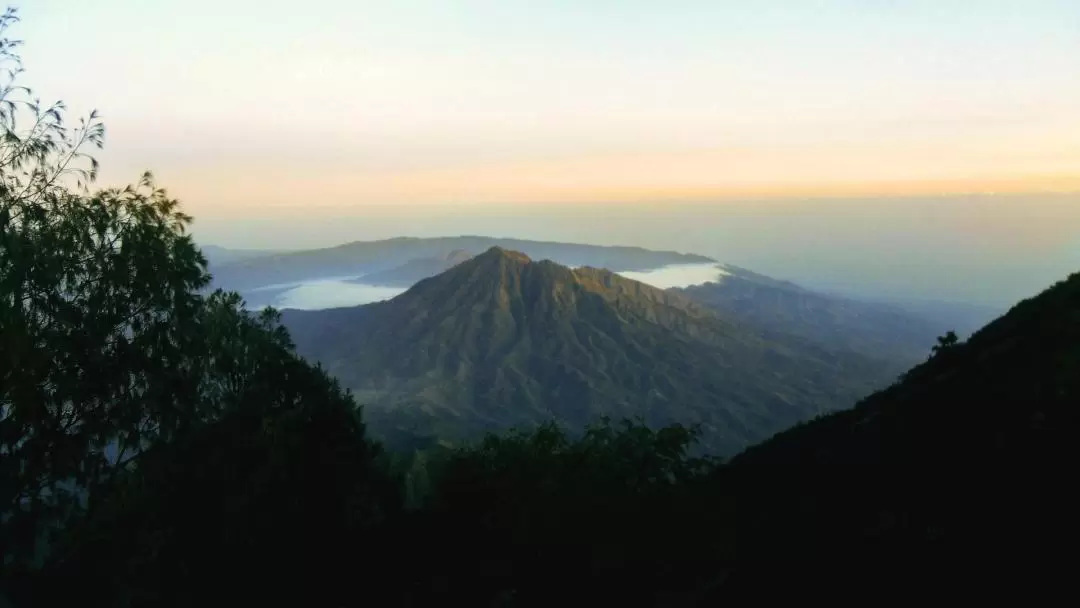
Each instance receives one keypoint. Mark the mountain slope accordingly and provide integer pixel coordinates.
(359, 258)
(965, 318)
(217, 256)
(501, 341)
(875, 330)
(414, 270)
(967, 455)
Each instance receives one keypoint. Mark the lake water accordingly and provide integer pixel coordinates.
(681, 275)
(336, 292)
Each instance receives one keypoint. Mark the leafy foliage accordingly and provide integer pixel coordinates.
(607, 514)
(276, 489)
(96, 295)
(134, 406)
(35, 160)
(949, 340)
(162, 447)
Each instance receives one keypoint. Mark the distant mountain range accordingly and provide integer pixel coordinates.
(780, 307)
(500, 340)
(263, 275)
(462, 352)
(217, 256)
(962, 317)
(414, 271)
(965, 456)
(353, 260)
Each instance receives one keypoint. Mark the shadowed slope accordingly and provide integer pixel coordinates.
(872, 329)
(501, 341)
(966, 456)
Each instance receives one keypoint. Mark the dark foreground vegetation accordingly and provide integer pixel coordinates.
(162, 446)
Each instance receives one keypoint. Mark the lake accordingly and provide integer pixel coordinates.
(336, 292)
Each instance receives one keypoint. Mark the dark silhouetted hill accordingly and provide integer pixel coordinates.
(367, 257)
(962, 461)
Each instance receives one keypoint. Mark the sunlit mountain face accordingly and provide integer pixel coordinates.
(349, 291)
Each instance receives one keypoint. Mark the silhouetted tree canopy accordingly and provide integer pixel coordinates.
(148, 432)
(164, 446)
(607, 513)
(949, 340)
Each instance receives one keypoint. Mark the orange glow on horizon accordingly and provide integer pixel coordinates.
(629, 180)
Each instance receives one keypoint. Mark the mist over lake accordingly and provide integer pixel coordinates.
(333, 293)
(680, 275)
(337, 292)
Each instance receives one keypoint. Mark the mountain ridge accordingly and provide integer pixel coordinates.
(873, 329)
(414, 270)
(501, 340)
(365, 257)
(964, 454)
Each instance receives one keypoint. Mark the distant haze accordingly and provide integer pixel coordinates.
(786, 136)
(982, 249)
(333, 293)
(249, 104)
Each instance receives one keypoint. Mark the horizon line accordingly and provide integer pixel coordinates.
(346, 209)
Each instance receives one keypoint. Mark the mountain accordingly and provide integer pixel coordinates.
(217, 256)
(968, 455)
(501, 341)
(772, 306)
(413, 271)
(366, 257)
(962, 317)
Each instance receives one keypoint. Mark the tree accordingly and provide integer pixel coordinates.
(125, 391)
(97, 296)
(608, 514)
(947, 341)
(283, 487)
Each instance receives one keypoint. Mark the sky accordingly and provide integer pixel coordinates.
(276, 122)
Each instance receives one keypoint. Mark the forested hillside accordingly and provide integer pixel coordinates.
(502, 341)
(161, 446)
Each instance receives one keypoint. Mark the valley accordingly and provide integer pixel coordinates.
(503, 341)
(703, 305)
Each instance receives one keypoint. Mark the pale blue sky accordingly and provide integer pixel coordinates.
(371, 118)
(493, 100)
